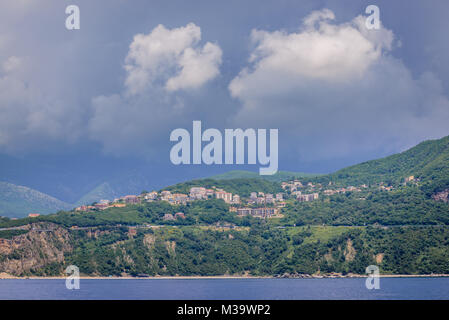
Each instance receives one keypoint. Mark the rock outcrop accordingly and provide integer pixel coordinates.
(44, 244)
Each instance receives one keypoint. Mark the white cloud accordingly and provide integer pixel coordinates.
(172, 59)
(320, 50)
(198, 66)
(334, 90)
(160, 67)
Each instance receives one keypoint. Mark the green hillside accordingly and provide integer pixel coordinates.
(241, 186)
(279, 176)
(428, 161)
(402, 228)
(18, 201)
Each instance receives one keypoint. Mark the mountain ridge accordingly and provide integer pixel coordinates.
(427, 161)
(16, 201)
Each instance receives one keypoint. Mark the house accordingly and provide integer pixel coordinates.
(180, 198)
(210, 193)
(131, 199)
(226, 196)
(179, 215)
(81, 208)
(168, 216)
(298, 183)
(33, 215)
(257, 212)
(166, 196)
(236, 199)
(307, 197)
(101, 206)
(279, 197)
(269, 198)
(150, 196)
(198, 193)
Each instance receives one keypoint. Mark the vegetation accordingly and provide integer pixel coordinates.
(277, 177)
(259, 250)
(428, 162)
(8, 234)
(403, 231)
(241, 186)
(406, 206)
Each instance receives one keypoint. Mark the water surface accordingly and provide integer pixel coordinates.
(191, 289)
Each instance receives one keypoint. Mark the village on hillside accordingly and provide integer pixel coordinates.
(258, 204)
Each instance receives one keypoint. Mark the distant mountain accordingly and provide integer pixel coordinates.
(18, 201)
(279, 176)
(114, 188)
(103, 191)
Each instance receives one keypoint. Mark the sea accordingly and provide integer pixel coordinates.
(432, 288)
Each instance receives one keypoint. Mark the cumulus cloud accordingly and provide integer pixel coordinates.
(335, 89)
(320, 51)
(162, 67)
(172, 59)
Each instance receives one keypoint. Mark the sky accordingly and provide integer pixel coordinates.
(78, 107)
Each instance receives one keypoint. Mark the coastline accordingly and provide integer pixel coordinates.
(4, 276)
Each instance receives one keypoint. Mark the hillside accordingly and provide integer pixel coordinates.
(18, 201)
(402, 228)
(428, 162)
(103, 191)
(278, 177)
(241, 186)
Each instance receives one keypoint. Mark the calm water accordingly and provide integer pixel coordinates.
(390, 288)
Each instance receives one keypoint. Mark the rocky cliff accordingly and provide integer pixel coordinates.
(44, 245)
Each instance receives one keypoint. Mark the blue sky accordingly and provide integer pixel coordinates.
(79, 107)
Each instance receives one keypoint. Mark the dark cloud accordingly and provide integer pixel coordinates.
(67, 90)
(335, 90)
